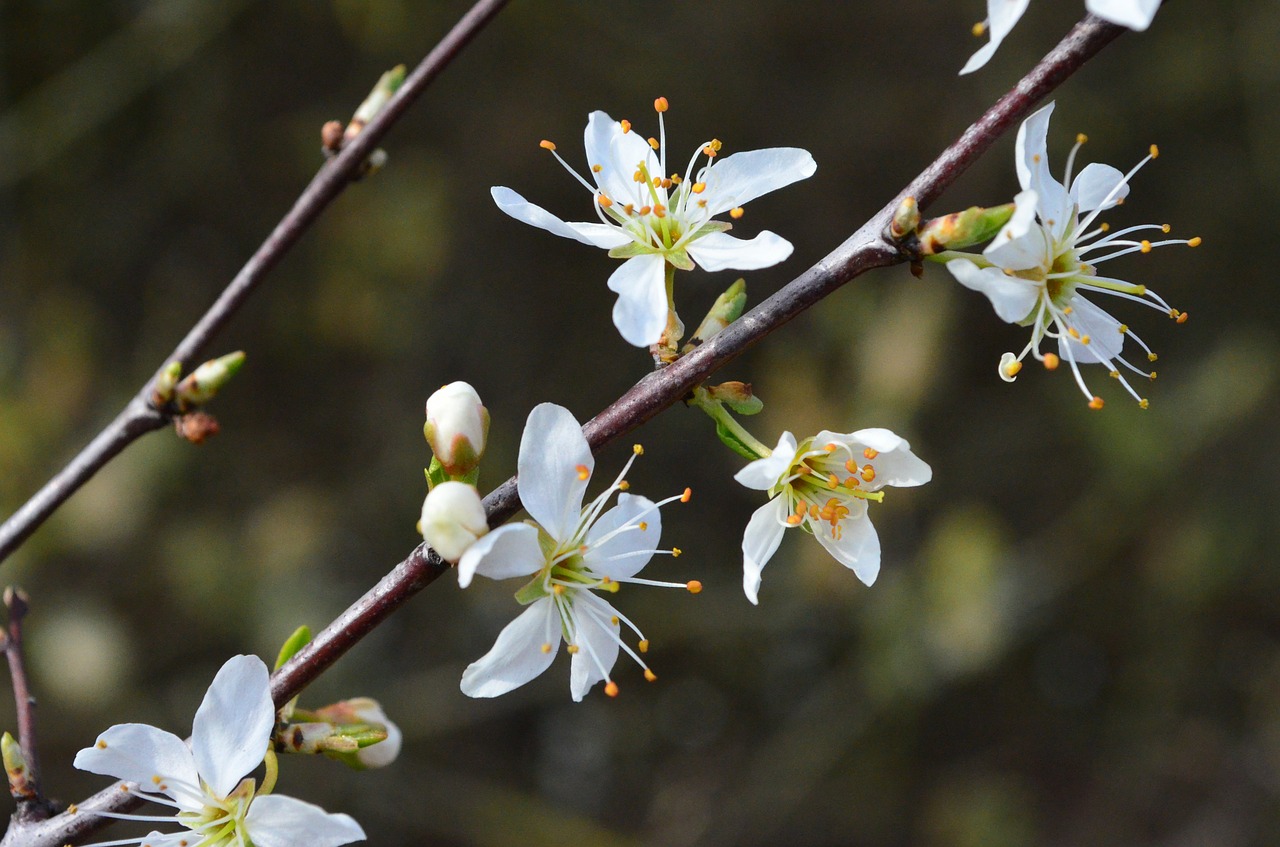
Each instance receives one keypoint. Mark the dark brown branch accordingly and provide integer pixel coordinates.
(865, 249)
(138, 417)
(24, 785)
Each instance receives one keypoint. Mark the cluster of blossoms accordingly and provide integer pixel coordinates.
(659, 221)
(1003, 14)
(1036, 270)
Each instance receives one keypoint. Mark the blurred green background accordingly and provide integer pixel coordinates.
(1075, 638)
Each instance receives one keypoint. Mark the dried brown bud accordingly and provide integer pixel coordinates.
(196, 427)
(331, 136)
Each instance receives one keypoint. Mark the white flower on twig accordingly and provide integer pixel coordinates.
(1036, 270)
(215, 803)
(571, 552)
(658, 220)
(823, 484)
(1003, 14)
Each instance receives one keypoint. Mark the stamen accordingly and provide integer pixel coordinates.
(583, 471)
(688, 492)
(694, 586)
(611, 688)
(737, 213)
(547, 145)
(626, 126)
(660, 104)
(1095, 403)
(870, 454)
(1051, 361)
(650, 675)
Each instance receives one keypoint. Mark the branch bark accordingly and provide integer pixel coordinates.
(866, 249)
(139, 417)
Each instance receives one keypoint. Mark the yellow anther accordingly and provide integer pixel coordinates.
(661, 104)
(558, 590)
(1182, 318)
(643, 646)
(1012, 369)
(1151, 357)
(699, 187)
(978, 29)
(626, 125)
(794, 520)
(101, 745)
(638, 449)
(815, 512)
(603, 580)
(1120, 201)
(624, 485)
(1144, 403)
(638, 176)
(1081, 138)
(688, 493)
(1105, 227)
(660, 210)
(1146, 246)
(614, 620)
(546, 648)
(604, 200)
(852, 482)
(1085, 339)
(869, 453)
(657, 182)
(666, 183)
(1095, 403)
(629, 208)
(716, 145)
(644, 210)
(702, 204)
(1166, 228)
(1155, 152)
(868, 473)
(676, 179)
(1114, 374)
(676, 552)
(1036, 158)
(1073, 332)
(1123, 328)
(650, 675)
(1068, 310)
(1051, 361)
(694, 586)
(653, 142)
(572, 649)
(583, 471)
(1151, 375)
(737, 213)
(644, 525)
(611, 688)
(1195, 242)
(833, 481)
(851, 466)
(595, 169)
(156, 779)
(72, 809)
(547, 145)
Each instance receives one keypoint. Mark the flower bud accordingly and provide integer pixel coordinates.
(205, 381)
(963, 229)
(456, 428)
(452, 519)
(15, 765)
(366, 710)
(905, 219)
(166, 381)
(737, 396)
(727, 309)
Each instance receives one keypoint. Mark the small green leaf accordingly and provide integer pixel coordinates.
(300, 638)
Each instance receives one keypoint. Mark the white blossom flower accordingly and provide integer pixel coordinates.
(452, 519)
(823, 484)
(456, 428)
(1003, 14)
(1036, 269)
(658, 220)
(570, 552)
(205, 783)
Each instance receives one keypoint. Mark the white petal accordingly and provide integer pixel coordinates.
(640, 312)
(763, 474)
(517, 655)
(136, 752)
(858, 547)
(509, 551)
(1135, 14)
(1032, 161)
(629, 551)
(1021, 244)
(1105, 338)
(597, 642)
(895, 464)
(597, 235)
(1012, 298)
(1001, 17)
(718, 251)
(760, 542)
(278, 821)
(617, 153)
(554, 466)
(738, 179)
(452, 519)
(1095, 184)
(233, 724)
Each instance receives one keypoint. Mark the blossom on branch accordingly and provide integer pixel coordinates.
(823, 484)
(1036, 270)
(205, 783)
(571, 551)
(1003, 14)
(658, 220)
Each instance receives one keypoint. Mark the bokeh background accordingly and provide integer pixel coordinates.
(1075, 638)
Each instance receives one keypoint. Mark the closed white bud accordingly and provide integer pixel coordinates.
(457, 426)
(452, 519)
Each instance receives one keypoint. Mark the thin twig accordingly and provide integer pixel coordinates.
(865, 249)
(139, 417)
(25, 786)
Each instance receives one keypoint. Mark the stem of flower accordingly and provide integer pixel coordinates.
(734, 435)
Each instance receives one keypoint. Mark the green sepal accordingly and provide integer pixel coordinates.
(531, 592)
(734, 443)
(300, 638)
(710, 227)
(436, 473)
(727, 309)
(963, 229)
(679, 259)
(630, 250)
